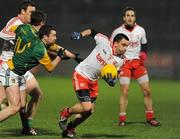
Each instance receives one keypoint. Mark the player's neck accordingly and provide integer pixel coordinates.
(129, 27)
(21, 17)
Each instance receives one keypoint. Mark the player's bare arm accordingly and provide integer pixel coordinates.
(52, 51)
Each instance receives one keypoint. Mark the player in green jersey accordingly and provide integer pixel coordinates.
(12, 71)
(39, 56)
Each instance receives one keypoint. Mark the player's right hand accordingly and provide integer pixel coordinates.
(76, 36)
(111, 81)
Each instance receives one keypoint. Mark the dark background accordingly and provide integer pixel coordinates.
(159, 18)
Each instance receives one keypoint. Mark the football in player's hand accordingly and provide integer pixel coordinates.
(109, 71)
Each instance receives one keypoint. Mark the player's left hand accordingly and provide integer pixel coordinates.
(76, 36)
(111, 81)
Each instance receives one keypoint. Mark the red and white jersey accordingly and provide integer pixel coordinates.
(8, 36)
(101, 55)
(137, 36)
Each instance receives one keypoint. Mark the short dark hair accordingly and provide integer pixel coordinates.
(129, 9)
(37, 17)
(119, 37)
(45, 30)
(24, 5)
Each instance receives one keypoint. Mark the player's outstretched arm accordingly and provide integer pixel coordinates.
(67, 53)
(71, 55)
(79, 35)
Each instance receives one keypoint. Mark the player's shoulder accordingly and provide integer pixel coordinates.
(38, 48)
(101, 39)
(11, 23)
(37, 41)
(118, 28)
(38, 44)
(140, 27)
(14, 20)
(100, 35)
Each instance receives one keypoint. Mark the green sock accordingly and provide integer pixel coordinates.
(30, 122)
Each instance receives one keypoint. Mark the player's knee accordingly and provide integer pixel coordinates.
(39, 96)
(125, 91)
(124, 94)
(147, 92)
(87, 108)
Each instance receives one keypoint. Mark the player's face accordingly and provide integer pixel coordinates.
(120, 47)
(51, 39)
(27, 13)
(129, 18)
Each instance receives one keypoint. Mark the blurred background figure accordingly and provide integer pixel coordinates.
(134, 67)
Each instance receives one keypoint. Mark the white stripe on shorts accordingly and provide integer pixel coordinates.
(124, 80)
(143, 79)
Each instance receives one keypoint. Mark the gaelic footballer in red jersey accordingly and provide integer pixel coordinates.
(86, 74)
(134, 67)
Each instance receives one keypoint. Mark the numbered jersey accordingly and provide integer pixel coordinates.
(29, 50)
(99, 57)
(28, 56)
(8, 36)
(137, 36)
(25, 33)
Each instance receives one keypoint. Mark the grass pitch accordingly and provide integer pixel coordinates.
(58, 93)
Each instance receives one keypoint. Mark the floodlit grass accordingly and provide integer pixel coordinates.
(58, 93)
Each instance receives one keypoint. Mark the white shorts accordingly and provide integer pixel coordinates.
(126, 80)
(9, 78)
(27, 76)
